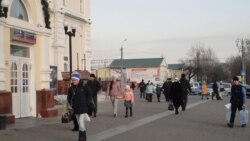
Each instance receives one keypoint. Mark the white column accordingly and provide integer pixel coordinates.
(2, 66)
(45, 68)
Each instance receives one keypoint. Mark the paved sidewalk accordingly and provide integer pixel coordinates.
(204, 120)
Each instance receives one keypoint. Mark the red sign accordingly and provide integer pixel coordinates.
(23, 36)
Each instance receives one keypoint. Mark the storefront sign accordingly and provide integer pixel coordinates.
(23, 36)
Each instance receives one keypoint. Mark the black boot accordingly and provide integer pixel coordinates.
(126, 114)
(82, 136)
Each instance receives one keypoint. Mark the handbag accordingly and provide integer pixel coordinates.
(67, 115)
(91, 108)
(244, 116)
(170, 106)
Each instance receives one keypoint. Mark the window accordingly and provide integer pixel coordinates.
(18, 10)
(66, 67)
(19, 51)
(14, 83)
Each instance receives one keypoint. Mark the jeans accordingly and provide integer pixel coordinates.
(114, 102)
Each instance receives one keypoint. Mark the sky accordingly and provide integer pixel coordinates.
(156, 28)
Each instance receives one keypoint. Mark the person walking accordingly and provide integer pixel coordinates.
(113, 91)
(185, 90)
(95, 87)
(204, 90)
(133, 86)
(142, 87)
(150, 90)
(166, 88)
(80, 97)
(70, 95)
(158, 92)
(128, 97)
(215, 91)
(237, 100)
(176, 95)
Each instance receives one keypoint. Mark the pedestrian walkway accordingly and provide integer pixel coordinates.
(203, 120)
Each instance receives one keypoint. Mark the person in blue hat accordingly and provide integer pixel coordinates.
(79, 97)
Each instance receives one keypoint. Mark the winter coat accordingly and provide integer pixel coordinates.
(94, 87)
(185, 86)
(150, 89)
(166, 87)
(204, 89)
(238, 95)
(113, 90)
(142, 86)
(176, 92)
(79, 98)
(128, 96)
(158, 90)
(215, 87)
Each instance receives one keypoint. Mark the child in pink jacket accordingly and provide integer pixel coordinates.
(128, 97)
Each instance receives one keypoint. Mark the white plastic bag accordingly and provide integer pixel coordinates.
(228, 115)
(244, 116)
(87, 118)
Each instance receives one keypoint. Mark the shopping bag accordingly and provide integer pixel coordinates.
(228, 115)
(244, 116)
(171, 106)
(67, 114)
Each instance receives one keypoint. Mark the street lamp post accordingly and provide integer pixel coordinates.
(242, 44)
(4, 4)
(70, 34)
(122, 62)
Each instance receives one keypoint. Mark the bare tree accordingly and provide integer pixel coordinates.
(200, 62)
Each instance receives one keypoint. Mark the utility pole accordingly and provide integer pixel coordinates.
(122, 65)
(242, 44)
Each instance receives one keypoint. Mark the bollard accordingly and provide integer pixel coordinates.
(3, 122)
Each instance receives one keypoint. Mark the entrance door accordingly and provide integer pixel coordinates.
(20, 82)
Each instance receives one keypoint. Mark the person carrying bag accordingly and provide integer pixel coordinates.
(238, 100)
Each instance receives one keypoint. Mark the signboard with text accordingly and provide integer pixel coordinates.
(23, 36)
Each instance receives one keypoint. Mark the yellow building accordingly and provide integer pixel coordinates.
(34, 46)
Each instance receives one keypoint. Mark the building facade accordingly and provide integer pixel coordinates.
(34, 48)
(153, 69)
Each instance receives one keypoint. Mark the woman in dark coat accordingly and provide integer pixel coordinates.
(176, 95)
(79, 96)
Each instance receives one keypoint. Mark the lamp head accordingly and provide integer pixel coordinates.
(5, 3)
(73, 27)
(66, 26)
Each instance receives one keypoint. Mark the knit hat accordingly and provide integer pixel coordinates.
(92, 75)
(75, 75)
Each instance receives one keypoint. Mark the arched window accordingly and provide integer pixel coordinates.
(18, 10)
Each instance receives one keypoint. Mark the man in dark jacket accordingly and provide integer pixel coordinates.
(176, 95)
(185, 90)
(238, 99)
(216, 91)
(142, 87)
(95, 87)
(166, 88)
(80, 97)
